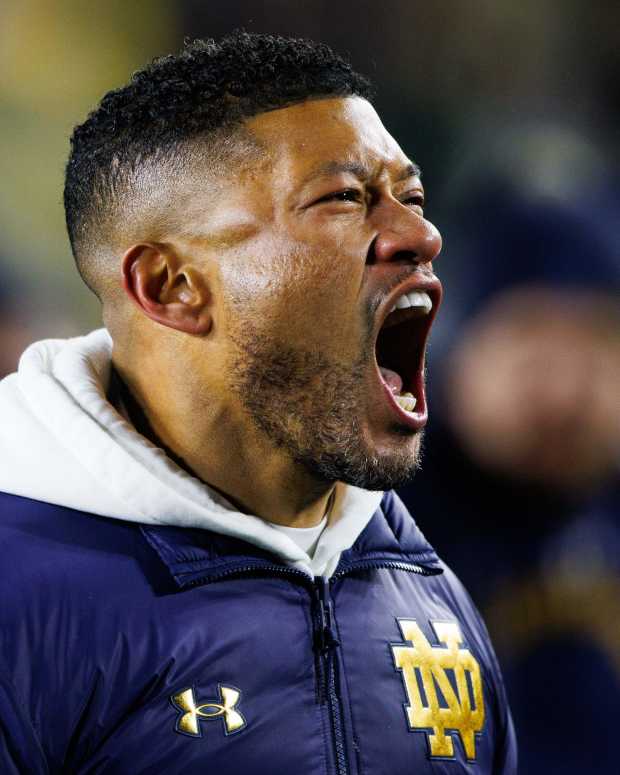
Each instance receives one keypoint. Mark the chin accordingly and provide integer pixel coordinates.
(381, 468)
(396, 466)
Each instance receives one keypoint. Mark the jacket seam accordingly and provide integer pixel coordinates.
(154, 542)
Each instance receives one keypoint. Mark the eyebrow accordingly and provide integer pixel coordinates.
(412, 170)
(362, 172)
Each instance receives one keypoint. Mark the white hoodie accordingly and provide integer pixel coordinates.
(62, 442)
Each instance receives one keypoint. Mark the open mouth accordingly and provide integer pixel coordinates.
(400, 352)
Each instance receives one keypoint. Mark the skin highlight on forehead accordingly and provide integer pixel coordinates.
(203, 175)
(171, 196)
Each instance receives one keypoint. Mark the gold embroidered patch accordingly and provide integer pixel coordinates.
(433, 702)
(188, 722)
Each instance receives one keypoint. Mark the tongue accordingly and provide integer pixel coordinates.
(392, 379)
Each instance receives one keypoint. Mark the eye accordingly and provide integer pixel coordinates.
(415, 200)
(347, 195)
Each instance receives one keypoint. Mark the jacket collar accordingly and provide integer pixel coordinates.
(194, 557)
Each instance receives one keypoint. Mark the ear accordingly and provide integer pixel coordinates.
(167, 290)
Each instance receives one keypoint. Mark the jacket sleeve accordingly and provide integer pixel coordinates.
(506, 754)
(505, 750)
(506, 758)
(20, 748)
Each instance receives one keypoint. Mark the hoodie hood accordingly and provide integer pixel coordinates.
(62, 442)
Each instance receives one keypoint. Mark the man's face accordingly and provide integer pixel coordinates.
(318, 241)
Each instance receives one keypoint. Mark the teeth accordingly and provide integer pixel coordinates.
(418, 299)
(406, 401)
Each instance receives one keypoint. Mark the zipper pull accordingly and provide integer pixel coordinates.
(326, 634)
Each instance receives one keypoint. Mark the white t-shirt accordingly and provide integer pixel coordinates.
(306, 538)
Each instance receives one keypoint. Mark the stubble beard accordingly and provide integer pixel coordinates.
(309, 405)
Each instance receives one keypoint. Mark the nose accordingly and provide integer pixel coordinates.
(405, 235)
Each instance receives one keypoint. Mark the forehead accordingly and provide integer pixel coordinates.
(323, 130)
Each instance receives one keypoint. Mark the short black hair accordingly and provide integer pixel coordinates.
(208, 88)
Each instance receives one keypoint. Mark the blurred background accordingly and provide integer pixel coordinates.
(512, 109)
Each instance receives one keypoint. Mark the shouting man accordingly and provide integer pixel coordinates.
(203, 563)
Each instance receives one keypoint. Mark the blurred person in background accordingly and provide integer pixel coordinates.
(16, 329)
(533, 390)
(535, 398)
(202, 566)
(529, 442)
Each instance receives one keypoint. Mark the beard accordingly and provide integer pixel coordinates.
(310, 406)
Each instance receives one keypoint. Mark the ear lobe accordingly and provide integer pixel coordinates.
(166, 291)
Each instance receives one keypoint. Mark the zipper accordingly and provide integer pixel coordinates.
(420, 570)
(305, 580)
(325, 644)
(259, 569)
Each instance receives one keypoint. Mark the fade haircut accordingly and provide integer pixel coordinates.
(177, 108)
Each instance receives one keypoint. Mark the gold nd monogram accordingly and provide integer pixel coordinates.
(459, 711)
(191, 713)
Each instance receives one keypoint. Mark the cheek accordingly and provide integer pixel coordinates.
(321, 303)
(306, 296)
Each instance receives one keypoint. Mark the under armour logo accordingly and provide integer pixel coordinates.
(435, 702)
(190, 713)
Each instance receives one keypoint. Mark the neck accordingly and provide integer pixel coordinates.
(211, 444)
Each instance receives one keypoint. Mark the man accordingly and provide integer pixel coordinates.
(201, 567)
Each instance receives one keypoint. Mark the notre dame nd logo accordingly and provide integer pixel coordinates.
(435, 704)
(191, 712)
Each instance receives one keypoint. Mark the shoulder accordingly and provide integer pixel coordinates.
(32, 526)
(69, 583)
(50, 551)
(445, 584)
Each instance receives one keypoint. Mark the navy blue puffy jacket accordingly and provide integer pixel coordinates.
(135, 649)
